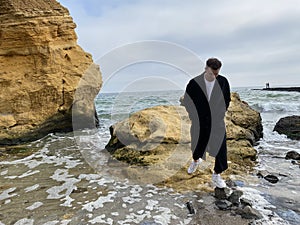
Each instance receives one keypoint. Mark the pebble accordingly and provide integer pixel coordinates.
(234, 198)
(271, 178)
(223, 204)
(249, 213)
(292, 155)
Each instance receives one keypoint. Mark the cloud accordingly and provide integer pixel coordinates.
(257, 38)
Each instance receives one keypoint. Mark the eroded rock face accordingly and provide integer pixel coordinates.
(41, 66)
(155, 135)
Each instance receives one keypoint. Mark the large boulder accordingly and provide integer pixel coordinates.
(158, 139)
(41, 66)
(290, 126)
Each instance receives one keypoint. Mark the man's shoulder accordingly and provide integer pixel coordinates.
(221, 78)
(197, 78)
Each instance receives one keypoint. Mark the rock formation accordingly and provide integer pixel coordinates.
(158, 139)
(41, 66)
(290, 126)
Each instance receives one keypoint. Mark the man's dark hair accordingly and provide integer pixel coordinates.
(214, 63)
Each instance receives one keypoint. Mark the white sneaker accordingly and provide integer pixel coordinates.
(194, 165)
(218, 181)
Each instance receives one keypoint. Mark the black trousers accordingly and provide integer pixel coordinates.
(199, 145)
(221, 158)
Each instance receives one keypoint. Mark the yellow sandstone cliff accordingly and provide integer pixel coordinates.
(40, 69)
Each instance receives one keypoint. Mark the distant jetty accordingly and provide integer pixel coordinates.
(297, 89)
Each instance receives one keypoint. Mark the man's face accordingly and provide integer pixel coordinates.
(214, 72)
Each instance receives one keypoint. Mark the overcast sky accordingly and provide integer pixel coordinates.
(146, 45)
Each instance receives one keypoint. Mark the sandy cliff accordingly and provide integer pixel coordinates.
(40, 68)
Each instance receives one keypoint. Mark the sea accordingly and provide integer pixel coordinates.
(67, 178)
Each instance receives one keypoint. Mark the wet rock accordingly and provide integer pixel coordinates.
(237, 126)
(245, 202)
(260, 175)
(294, 162)
(223, 204)
(234, 198)
(234, 183)
(230, 183)
(292, 155)
(221, 193)
(271, 178)
(190, 207)
(290, 126)
(249, 213)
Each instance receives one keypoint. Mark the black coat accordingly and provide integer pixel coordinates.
(208, 127)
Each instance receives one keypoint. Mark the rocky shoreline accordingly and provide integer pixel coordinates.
(154, 146)
(156, 143)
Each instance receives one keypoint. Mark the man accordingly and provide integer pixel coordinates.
(206, 99)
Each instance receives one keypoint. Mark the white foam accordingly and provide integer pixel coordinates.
(100, 219)
(263, 206)
(151, 204)
(51, 222)
(5, 194)
(42, 157)
(62, 175)
(135, 191)
(65, 222)
(134, 218)
(35, 205)
(131, 200)
(100, 201)
(4, 172)
(68, 201)
(24, 221)
(165, 217)
(28, 173)
(11, 177)
(31, 188)
(115, 214)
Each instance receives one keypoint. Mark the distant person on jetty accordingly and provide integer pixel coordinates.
(267, 85)
(206, 99)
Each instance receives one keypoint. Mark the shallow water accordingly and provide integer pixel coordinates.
(55, 185)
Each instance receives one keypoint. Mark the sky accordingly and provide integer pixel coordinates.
(144, 45)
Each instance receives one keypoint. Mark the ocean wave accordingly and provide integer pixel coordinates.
(278, 106)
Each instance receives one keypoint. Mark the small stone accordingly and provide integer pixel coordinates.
(249, 213)
(221, 193)
(245, 202)
(271, 178)
(292, 155)
(259, 175)
(190, 207)
(223, 204)
(234, 198)
(230, 183)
